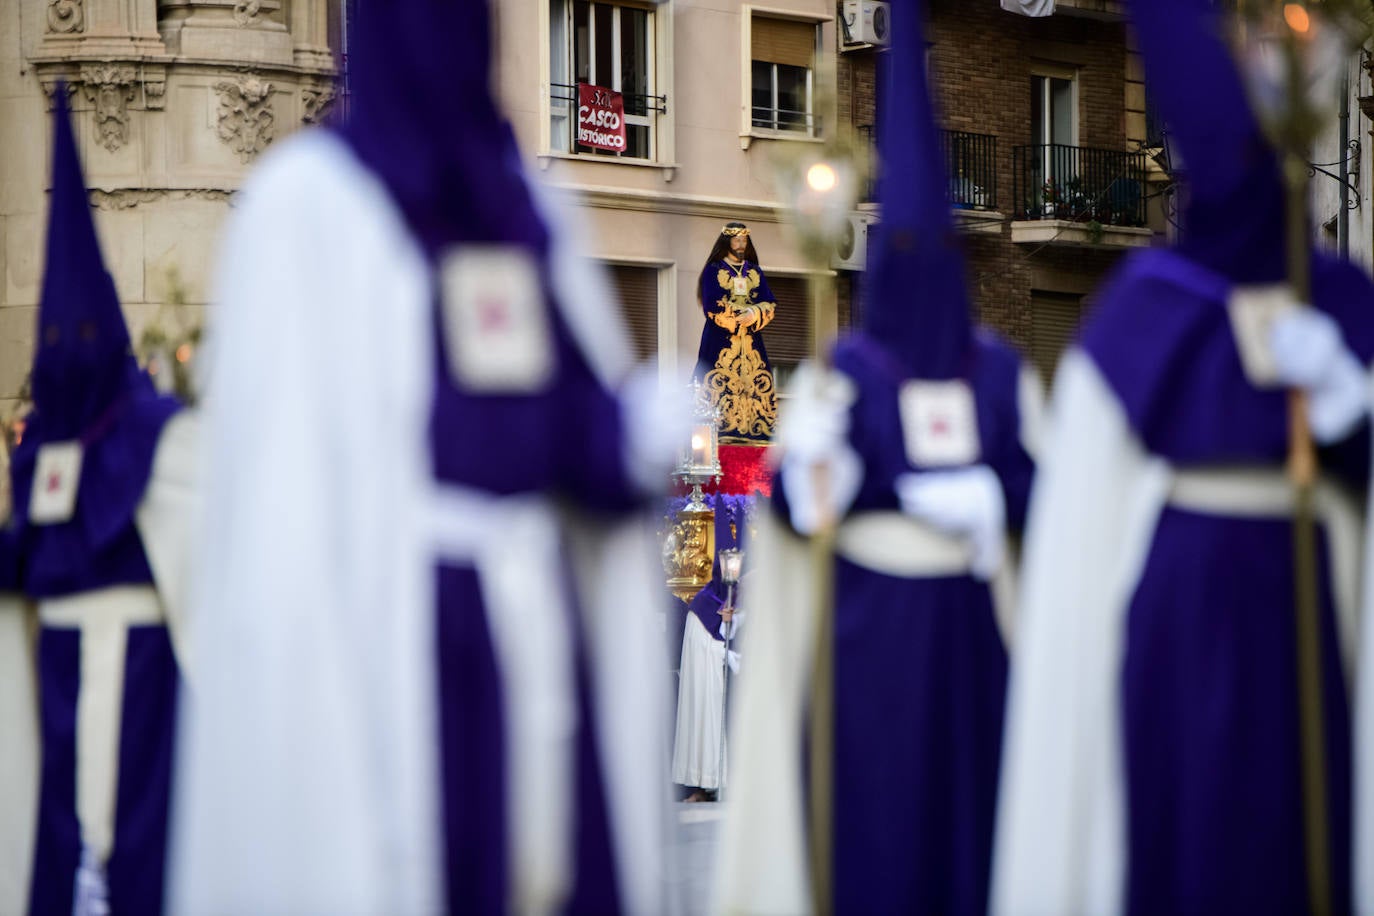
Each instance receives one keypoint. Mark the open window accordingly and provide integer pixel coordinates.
(782, 75)
(612, 46)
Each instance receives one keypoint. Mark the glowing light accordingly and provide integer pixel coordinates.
(697, 443)
(821, 177)
(1295, 14)
(183, 353)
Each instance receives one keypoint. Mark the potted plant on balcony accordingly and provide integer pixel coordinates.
(1050, 196)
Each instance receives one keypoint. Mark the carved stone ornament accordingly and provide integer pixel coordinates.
(246, 121)
(246, 11)
(315, 104)
(110, 89)
(154, 92)
(65, 16)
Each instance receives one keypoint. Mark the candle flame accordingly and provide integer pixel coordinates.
(183, 353)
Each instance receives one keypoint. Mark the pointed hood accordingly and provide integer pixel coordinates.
(1233, 219)
(916, 297)
(422, 117)
(83, 360)
(87, 387)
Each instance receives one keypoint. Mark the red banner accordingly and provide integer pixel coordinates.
(600, 118)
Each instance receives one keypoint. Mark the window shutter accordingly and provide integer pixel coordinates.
(783, 41)
(788, 336)
(1055, 319)
(637, 291)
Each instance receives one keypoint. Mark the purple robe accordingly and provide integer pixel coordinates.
(1208, 680)
(748, 401)
(89, 389)
(731, 521)
(565, 441)
(920, 670)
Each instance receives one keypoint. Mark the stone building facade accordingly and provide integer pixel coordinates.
(715, 92)
(172, 101)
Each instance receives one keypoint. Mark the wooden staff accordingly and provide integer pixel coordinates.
(821, 827)
(1302, 473)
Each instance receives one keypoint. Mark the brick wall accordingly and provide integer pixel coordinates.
(982, 59)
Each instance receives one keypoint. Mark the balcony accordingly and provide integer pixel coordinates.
(1111, 10)
(972, 185)
(1079, 196)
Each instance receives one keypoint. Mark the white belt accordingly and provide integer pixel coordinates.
(1243, 492)
(1250, 492)
(896, 544)
(513, 542)
(104, 618)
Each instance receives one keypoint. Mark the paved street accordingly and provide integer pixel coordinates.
(698, 830)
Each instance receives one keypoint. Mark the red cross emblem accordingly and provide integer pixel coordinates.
(54, 482)
(492, 316)
(939, 425)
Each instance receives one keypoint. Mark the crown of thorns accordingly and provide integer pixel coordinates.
(733, 231)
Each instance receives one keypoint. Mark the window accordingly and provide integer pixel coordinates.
(1055, 319)
(609, 45)
(783, 54)
(637, 291)
(1054, 110)
(1054, 134)
(788, 337)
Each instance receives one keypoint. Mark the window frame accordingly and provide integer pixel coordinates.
(824, 25)
(658, 78)
(665, 319)
(1046, 72)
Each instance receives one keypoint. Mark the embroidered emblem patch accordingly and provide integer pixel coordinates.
(939, 424)
(496, 326)
(1253, 311)
(55, 482)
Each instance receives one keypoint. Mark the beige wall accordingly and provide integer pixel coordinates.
(161, 142)
(670, 213)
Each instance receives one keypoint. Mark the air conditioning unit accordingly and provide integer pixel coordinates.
(867, 22)
(851, 250)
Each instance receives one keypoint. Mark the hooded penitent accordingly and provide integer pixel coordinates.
(1233, 221)
(916, 298)
(423, 119)
(87, 388)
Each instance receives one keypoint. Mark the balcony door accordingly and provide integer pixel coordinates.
(1054, 128)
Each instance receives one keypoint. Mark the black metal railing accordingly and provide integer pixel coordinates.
(1079, 183)
(972, 162)
(636, 104)
(784, 119)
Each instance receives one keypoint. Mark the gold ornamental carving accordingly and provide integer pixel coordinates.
(741, 386)
(689, 552)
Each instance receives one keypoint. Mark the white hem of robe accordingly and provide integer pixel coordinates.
(762, 860)
(313, 785)
(306, 760)
(701, 683)
(1060, 844)
(19, 763)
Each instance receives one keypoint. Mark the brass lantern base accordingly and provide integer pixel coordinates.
(689, 551)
